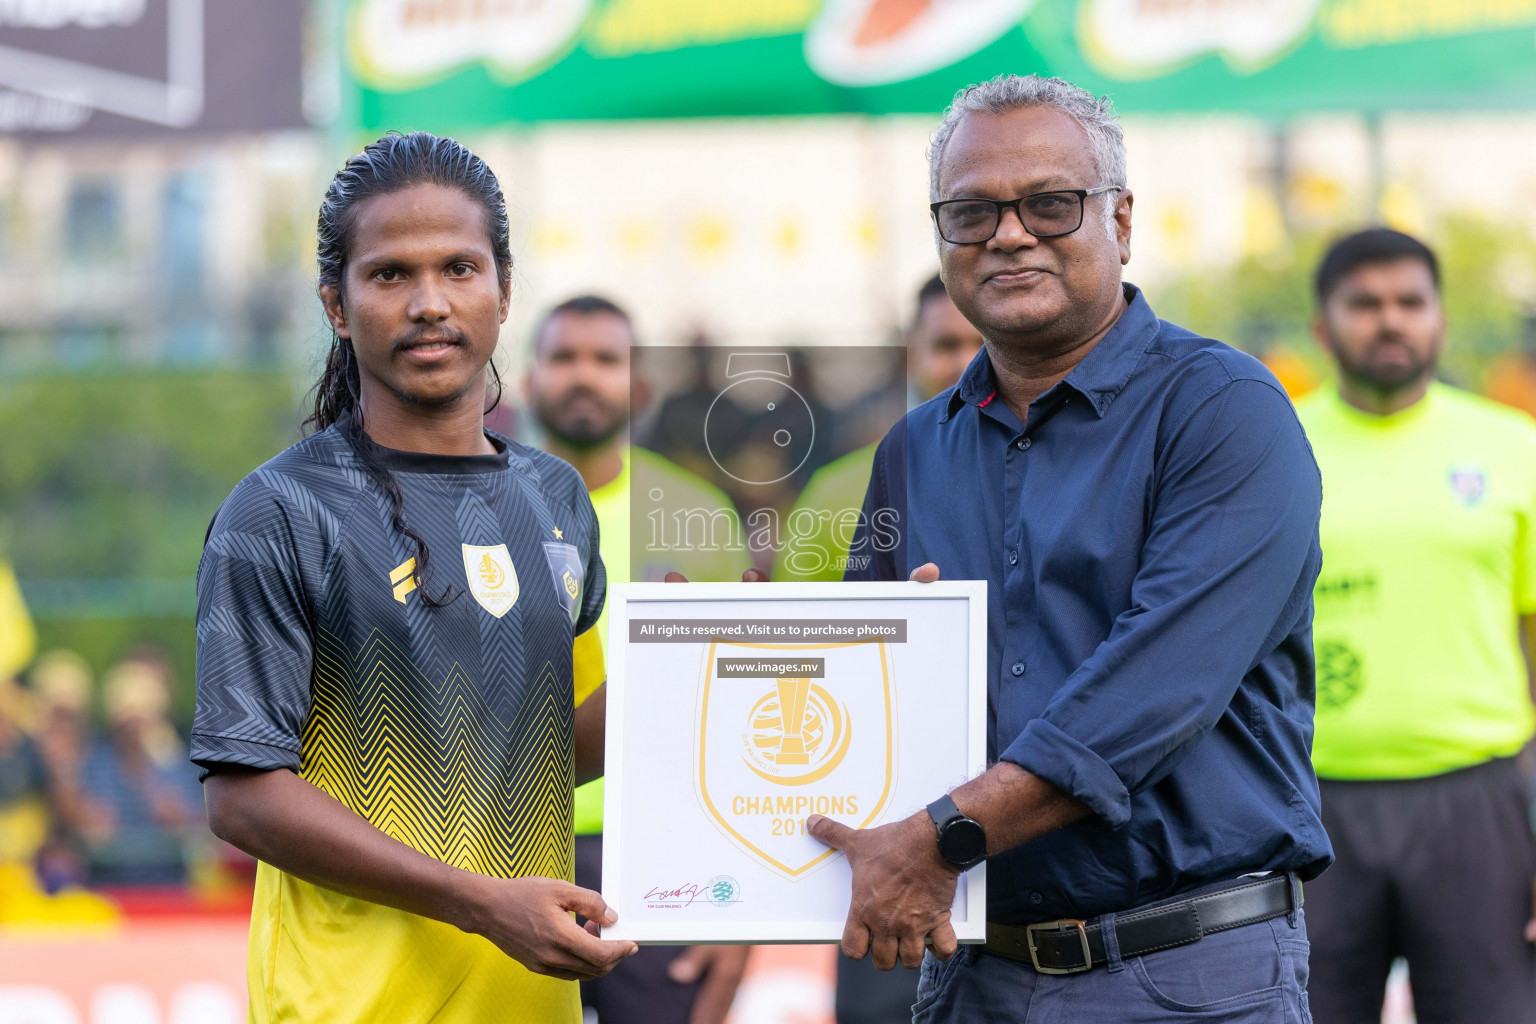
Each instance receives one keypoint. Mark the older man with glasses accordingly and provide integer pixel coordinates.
(1144, 508)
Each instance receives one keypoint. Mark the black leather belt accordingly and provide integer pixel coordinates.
(1069, 946)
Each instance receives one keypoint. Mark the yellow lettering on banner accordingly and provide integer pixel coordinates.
(649, 26)
(1356, 23)
(788, 806)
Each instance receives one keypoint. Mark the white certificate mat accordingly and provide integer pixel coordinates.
(735, 710)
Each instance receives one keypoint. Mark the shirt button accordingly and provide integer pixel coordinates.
(1013, 557)
(1024, 443)
(1036, 898)
(1018, 668)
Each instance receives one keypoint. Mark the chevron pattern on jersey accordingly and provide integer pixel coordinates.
(502, 641)
(434, 766)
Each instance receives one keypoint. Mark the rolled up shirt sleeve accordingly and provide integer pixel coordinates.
(1227, 566)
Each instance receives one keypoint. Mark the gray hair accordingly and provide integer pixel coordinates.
(1014, 92)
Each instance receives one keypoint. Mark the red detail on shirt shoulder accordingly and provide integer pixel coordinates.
(983, 403)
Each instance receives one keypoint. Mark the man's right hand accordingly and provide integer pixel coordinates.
(529, 919)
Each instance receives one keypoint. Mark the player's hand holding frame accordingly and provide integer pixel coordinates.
(529, 919)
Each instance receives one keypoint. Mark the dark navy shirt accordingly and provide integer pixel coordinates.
(1149, 540)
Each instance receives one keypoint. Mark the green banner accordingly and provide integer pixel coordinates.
(457, 64)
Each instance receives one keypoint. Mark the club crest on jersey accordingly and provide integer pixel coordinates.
(1468, 484)
(566, 568)
(492, 577)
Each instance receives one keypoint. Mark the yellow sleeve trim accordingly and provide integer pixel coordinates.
(587, 665)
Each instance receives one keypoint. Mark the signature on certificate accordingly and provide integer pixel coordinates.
(662, 898)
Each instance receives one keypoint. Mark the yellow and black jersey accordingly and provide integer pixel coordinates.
(448, 726)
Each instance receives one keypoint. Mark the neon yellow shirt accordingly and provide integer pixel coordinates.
(611, 502)
(1428, 562)
(820, 527)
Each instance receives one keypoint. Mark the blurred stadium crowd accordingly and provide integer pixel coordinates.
(96, 789)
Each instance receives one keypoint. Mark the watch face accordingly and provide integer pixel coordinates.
(964, 842)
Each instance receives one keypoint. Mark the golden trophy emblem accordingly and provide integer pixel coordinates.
(820, 740)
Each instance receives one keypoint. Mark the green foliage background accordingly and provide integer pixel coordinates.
(108, 481)
(1488, 272)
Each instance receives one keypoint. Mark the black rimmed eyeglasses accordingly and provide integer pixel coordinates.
(1043, 214)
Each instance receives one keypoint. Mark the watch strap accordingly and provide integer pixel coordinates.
(943, 811)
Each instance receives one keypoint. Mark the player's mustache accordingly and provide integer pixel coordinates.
(423, 337)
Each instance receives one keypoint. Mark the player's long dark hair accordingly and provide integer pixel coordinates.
(392, 164)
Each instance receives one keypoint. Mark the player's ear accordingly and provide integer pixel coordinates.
(330, 298)
(1320, 332)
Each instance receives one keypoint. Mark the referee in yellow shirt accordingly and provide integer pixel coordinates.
(1423, 693)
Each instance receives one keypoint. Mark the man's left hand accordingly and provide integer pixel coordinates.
(902, 889)
(720, 968)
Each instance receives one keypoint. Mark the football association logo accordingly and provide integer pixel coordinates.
(492, 577)
(723, 891)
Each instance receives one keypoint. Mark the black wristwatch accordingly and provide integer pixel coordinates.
(962, 840)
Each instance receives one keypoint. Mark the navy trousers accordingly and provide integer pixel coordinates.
(1256, 974)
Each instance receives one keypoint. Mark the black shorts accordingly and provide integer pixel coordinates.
(638, 990)
(1439, 871)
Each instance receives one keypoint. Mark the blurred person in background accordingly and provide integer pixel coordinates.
(579, 387)
(1423, 694)
(399, 682)
(63, 686)
(674, 429)
(61, 681)
(940, 344)
(24, 789)
(28, 894)
(141, 796)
